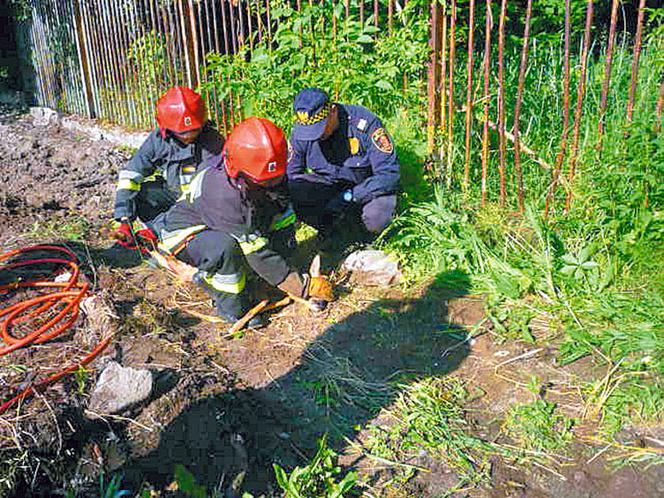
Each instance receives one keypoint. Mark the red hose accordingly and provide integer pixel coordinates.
(69, 294)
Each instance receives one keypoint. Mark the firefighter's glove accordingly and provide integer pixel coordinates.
(126, 237)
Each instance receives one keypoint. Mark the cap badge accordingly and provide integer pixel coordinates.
(187, 121)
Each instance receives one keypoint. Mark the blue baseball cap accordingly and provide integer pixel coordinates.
(312, 108)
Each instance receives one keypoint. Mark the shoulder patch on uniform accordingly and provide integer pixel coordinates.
(382, 141)
(362, 124)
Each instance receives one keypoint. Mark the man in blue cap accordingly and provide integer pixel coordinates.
(341, 162)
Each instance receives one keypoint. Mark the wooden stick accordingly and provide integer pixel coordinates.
(239, 325)
(501, 102)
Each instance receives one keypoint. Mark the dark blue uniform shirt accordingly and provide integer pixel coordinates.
(359, 155)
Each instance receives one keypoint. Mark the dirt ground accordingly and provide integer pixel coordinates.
(228, 407)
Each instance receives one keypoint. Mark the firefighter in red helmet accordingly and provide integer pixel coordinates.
(160, 172)
(236, 212)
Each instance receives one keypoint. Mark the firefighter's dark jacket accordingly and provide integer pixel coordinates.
(175, 162)
(218, 202)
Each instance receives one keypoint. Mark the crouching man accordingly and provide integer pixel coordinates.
(237, 212)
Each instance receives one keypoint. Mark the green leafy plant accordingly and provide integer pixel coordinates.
(319, 478)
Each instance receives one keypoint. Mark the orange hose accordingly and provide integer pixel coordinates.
(68, 296)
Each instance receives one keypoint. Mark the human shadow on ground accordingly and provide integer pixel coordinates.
(346, 376)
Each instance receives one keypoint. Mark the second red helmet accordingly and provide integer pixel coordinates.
(180, 109)
(257, 148)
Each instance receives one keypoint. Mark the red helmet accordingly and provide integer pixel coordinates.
(180, 109)
(256, 148)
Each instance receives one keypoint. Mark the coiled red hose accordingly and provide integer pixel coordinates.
(69, 294)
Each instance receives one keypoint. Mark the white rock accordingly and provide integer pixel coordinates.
(371, 267)
(118, 388)
(44, 116)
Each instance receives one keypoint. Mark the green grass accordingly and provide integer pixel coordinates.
(428, 419)
(597, 272)
(537, 427)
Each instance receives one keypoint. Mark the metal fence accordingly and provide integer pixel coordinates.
(111, 59)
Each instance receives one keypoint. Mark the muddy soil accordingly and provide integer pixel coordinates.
(227, 408)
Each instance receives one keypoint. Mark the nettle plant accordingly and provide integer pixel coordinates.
(356, 62)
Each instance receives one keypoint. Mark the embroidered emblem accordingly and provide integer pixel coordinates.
(189, 169)
(303, 118)
(382, 141)
(362, 124)
(354, 144)
(187, 121)
(272, 167)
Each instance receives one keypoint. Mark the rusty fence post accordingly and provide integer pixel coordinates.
(485, 97)
(579, 105)
(501, 102)
(555, 174)
(635, 61)
(607, 72)
(469, 92)
(517, 106)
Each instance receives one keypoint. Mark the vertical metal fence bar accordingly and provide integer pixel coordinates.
(218, 103)
(109, 23)
(635, 60)
(660, 106)
(228, 43)
(181, 19)
(105, 73)
(347, 2)
(501, 102)
(390, 14)
(35, 55)
(107, 36)
(84, 56)
(174, 31)
(269, 20)
(250, 25)
(469, 91)
(375, 11)
(193, 44)
(517, 106)
(148, 34)
(450, 91)
(607, 71)
(431, 77)
(127, 91)
(555, 174)
(47, 73)
(93, 57)
(485, 97)
(442, 87)
(361, 2)
(579, 105)
(240, 18)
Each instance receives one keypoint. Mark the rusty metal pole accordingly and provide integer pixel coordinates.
(501, 102)
(555, 174)
(450, 91)
(579, 105)
(390, 14)
(82, 48)
(443, 85)
(469, 92)
(607, 72)
(432, 77)
(635, 60)
(517, 106)
(660, 107)
(361, 2)
(375, 6)
(485, 97)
